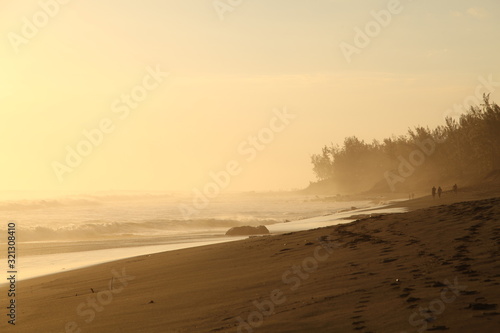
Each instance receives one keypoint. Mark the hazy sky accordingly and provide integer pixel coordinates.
(232, 69)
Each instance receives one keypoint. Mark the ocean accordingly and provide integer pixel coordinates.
(57, 232)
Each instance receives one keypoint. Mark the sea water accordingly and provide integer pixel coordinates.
(57, 232)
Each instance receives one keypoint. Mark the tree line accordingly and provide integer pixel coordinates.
(463, 149)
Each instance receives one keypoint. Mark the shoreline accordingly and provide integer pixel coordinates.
(380, 271)
(38, 265)
(35, 266)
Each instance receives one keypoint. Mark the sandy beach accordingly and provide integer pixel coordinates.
(232, 166)
(430, 269)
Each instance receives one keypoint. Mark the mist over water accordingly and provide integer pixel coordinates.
(45, 217)
(60, 232)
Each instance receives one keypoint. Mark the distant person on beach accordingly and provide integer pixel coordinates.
(455, 188)
(440, 190)
(433, 192)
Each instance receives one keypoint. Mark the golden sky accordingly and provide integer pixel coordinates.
(180, 88)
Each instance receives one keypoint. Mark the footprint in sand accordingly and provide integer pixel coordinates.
(387, 250)
(462, 268)
(358, 320)
(412, 299)
(488, 314)
(388, 260)
(482, 306)
(438, 328)
(464, 239)
(412, 241)
(359, 325)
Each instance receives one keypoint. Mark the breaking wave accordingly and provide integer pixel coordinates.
(22, 205)
(95, 230)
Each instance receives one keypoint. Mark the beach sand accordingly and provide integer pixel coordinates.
(430, 269)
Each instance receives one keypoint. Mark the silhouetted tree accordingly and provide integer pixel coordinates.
(467, 147)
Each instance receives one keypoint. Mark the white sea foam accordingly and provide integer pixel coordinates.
(79, 217)
(53, 230)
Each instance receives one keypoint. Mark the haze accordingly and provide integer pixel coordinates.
(227, 80)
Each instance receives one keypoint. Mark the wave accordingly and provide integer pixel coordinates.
(23, 205)
(95, 230)
(33, 202)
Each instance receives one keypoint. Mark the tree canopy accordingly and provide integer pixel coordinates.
(463, 148)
